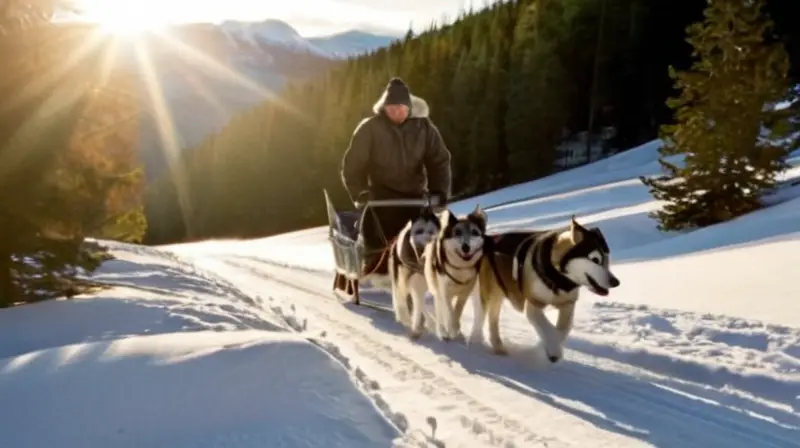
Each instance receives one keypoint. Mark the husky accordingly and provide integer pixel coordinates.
(406, 266)
(537, 269)
(452, 263)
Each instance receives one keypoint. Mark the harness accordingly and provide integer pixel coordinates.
(415, 265)
(384, 253)
(538, 249)
(440, 264)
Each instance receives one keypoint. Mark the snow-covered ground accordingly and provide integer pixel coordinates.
(700, 346)
(172, 357)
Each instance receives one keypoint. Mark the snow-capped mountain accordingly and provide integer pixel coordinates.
(351, 43)
(207, 73)
(340, 45)
(269, 31)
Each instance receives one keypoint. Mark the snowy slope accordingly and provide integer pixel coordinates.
(172, 358)
(700, 346)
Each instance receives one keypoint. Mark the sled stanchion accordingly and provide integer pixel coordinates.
(348, 250)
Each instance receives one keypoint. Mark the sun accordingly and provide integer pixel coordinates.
(130, 25)
(123, 18)
(127, 27)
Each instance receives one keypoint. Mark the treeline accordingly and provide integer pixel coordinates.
(506, 86)
(68, 161)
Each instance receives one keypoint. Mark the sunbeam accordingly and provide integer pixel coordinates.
(55, 74)
(165, 127)
(60, 97)
(227, 73)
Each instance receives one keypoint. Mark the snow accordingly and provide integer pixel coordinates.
(239, 343)
(172, 358)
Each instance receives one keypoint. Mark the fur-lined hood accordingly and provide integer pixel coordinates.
(419, 107)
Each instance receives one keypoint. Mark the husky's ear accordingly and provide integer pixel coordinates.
(478, 216)
(447, 219)
(576, 230)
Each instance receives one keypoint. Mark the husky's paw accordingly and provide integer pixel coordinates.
(455, 333)
(474, 339)
(500, 350)
(459, 337)
(442, 335)
(414, 335)
(554, 352)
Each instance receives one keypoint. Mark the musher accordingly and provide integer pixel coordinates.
(398, 153)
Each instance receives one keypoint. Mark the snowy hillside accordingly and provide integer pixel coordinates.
(699, 346)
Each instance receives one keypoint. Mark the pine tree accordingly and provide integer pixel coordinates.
(539, 91)
(726, 98)
(53, 162)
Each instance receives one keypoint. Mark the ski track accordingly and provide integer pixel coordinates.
(513, 401)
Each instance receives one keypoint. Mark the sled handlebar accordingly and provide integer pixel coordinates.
(429, 202)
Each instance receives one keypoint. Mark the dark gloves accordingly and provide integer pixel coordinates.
(438, 200)
(361, 200)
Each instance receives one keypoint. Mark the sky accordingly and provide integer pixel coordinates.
(309, 17)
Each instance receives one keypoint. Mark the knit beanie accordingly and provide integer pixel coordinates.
(397, 93)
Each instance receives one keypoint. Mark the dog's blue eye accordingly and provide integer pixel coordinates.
(475, 233)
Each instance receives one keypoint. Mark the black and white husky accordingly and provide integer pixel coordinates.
(406, 267)
(534, 270)
(452, 262)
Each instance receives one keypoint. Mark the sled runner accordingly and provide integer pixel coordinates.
(349, 250)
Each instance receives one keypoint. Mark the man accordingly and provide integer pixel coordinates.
(398, 153)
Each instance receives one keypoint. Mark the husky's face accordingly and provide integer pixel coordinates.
(587, 262)
(463, 238)
(424, 228)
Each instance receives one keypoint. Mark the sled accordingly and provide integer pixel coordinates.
(349, 250)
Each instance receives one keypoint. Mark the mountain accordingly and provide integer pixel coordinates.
(340, 45)
(275, 32)
(200, 76)
(351, 43)
(208, 73)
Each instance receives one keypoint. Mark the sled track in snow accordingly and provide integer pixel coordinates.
(763, 386)
(404, 367)
(501, 401)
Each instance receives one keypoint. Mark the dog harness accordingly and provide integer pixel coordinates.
(537, 247)
(440, 264)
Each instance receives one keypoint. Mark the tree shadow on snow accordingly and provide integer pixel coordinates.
(664, 412)
(163, 299)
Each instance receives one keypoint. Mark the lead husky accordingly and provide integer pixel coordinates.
(538, 269)
(452, 262)
(406, 266)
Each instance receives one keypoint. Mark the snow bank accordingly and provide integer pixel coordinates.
(245, 388)
(172, 357)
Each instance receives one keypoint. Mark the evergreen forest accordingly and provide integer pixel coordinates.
(507, 85)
